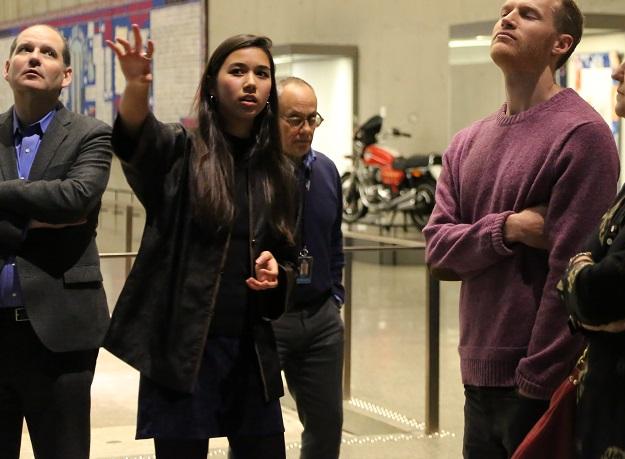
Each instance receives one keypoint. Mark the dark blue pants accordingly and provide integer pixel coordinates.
(227, 401)
(246, 447)
(310, 344)
(496, 420)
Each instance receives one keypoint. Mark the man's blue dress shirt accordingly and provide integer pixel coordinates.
(26, 140)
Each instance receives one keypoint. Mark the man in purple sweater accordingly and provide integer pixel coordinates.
(519, 191)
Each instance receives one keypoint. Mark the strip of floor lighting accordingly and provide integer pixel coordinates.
(361, 440)
(386, 413)
(355, 441)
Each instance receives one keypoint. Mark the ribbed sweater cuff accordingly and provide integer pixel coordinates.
(496, 231)
(532, 389)
(488, 373)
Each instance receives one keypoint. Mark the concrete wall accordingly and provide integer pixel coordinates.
(404, 58)
(402, 51)
(602, 6)
(468, 102)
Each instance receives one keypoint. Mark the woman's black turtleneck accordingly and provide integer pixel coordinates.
(231, 305)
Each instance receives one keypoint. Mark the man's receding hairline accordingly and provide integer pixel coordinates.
(283, 83)
(64, 43)
(49, 27)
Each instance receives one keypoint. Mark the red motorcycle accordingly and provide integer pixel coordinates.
(382, 181)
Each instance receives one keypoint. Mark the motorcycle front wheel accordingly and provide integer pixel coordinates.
(353, 207)
(425, 191)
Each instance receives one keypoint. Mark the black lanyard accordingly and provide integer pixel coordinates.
(305, 189)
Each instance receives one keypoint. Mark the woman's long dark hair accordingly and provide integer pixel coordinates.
(212, 164)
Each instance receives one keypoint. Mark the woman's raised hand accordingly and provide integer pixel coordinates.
(134, 60)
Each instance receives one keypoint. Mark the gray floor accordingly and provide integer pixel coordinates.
(385, 417)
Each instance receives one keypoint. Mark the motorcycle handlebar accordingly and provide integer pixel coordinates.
(397, 133)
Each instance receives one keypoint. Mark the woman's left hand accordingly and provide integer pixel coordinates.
(266, 273)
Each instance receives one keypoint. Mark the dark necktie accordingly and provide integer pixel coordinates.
(26, 154)
(27, 131)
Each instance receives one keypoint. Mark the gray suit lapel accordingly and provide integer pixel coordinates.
(55, 135)
(8, 163)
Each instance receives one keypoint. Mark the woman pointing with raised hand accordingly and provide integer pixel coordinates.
(214, 262)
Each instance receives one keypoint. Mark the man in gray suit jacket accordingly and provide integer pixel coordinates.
(54, 166)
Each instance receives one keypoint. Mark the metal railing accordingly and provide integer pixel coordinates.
(117, 191)
(432, 310)
(128, 254)
(432, 313)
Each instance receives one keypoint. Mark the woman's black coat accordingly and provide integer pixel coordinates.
(161, 320)
(595, 295)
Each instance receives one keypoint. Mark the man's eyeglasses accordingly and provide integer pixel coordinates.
(314, 121)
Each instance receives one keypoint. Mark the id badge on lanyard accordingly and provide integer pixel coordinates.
(305, 259)
(304, 265)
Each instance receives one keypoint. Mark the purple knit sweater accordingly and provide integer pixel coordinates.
(513, 327)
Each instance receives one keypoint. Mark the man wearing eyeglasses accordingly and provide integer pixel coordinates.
(310, 337)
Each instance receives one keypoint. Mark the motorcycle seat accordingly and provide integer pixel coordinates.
(419, 160)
